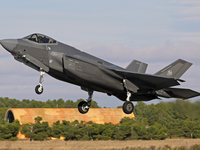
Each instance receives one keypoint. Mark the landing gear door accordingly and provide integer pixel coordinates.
(55, 61)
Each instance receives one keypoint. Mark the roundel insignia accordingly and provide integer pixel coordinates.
(169, 73)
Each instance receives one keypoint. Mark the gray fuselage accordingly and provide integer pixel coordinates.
(69, 64)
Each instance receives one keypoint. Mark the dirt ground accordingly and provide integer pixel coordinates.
(93, 145)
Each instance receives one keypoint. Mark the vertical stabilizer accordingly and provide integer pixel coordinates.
(137, 66)
(175, 69)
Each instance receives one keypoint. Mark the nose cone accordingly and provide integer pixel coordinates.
(9, 44)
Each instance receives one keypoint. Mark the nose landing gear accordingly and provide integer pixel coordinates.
(83, 107)
(39, 88)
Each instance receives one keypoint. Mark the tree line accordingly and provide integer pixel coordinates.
(126, 129)
(177, 119)
(26, 103)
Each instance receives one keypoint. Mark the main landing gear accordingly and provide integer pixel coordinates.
(128, 106)
(83, 107)
(39, 88)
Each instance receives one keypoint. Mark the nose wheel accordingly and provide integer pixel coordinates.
(39, 88)
(83, 107)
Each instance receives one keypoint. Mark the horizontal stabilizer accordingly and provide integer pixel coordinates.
(175, 69)
(183, 93)
(137, 66)
(177, 93)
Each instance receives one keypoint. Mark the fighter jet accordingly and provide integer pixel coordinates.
(71, 65)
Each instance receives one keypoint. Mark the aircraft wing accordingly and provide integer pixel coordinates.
(141, 80)
(147, 81)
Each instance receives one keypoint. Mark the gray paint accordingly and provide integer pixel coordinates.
(69, 64)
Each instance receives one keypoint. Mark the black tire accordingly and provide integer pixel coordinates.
(37, 89)
(128, 107)
(81, 107)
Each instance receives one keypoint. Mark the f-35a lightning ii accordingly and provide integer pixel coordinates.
(69, 64)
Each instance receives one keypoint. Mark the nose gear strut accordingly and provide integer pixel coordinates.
(39, 88)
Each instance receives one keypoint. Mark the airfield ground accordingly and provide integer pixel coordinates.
(94, 145)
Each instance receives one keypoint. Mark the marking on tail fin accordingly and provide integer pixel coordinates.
(175, 69)
(169, 73)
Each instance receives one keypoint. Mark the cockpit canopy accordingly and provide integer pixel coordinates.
(39, 38)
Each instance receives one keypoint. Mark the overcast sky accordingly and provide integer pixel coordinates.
(155, 32)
